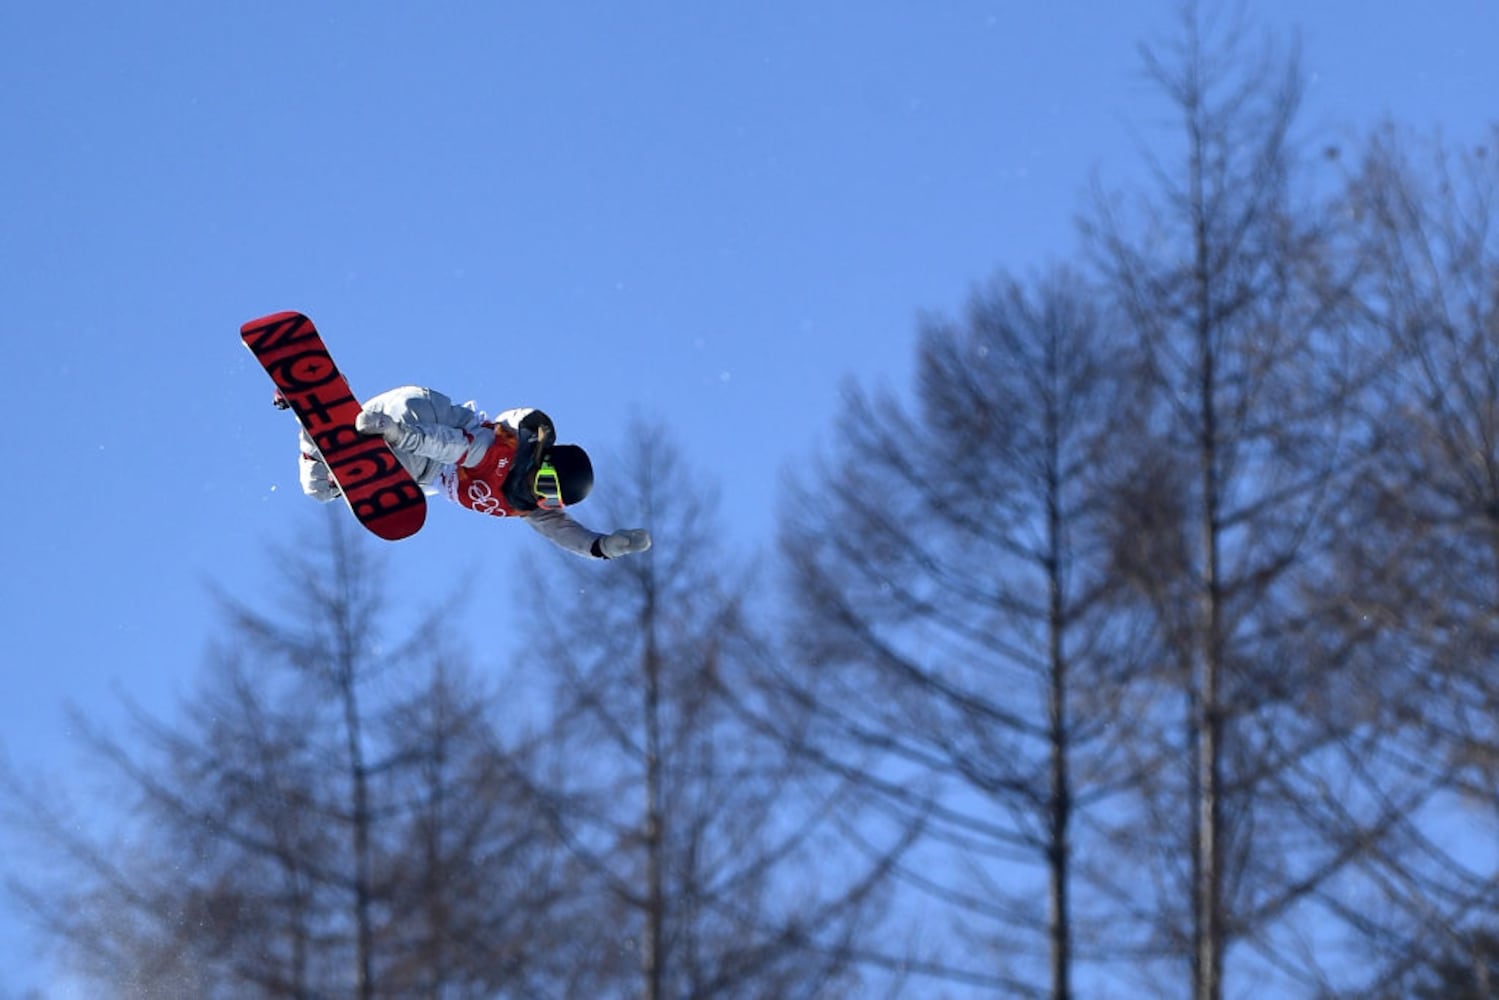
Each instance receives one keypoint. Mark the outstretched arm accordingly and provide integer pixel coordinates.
(562, 531)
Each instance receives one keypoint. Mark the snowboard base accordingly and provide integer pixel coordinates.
(376, 487)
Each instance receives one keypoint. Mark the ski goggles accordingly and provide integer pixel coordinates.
(547, 487)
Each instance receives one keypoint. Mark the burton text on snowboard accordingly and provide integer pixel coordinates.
(379, 491)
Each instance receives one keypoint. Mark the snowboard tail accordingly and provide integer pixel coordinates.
(377, 488)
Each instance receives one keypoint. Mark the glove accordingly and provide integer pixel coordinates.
(372, 423)
(623, 543)
(323, 490)
(316, 481)
(399, 436)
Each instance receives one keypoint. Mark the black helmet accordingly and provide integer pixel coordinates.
(574, 473)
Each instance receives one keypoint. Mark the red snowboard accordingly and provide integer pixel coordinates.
(377, 489)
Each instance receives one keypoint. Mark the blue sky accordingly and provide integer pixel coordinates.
(705, 214)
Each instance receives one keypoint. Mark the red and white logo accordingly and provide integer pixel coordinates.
(481, 499)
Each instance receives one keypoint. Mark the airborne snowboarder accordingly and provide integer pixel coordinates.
(510, 466)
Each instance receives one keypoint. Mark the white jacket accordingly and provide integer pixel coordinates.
(441, 435)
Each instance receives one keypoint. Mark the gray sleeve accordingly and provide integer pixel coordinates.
(564, 532)
(433, 426)
(445, 445)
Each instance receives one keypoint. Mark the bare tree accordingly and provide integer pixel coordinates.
(703, 838)
(947, 582)
(1420, 561)
(1236, 283)
(314, 824)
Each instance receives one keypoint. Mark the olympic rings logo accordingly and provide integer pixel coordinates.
(482, 500)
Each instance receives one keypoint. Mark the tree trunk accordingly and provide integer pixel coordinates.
(654, 944)
(1057, 849)
(1209, 851)
(346, 675)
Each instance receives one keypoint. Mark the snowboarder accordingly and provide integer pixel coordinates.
(509, 466)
